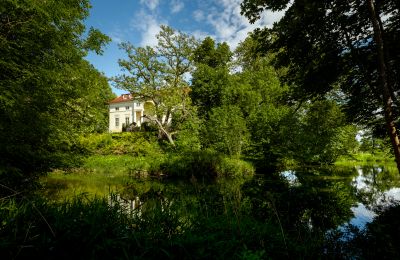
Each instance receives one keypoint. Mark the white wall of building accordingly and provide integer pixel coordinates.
(124, 112)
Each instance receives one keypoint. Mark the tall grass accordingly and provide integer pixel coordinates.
(94, 228)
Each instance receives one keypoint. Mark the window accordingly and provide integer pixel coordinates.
(138, 104)
(127, 121)
(116, 108)
(127, 107)
(116, 121)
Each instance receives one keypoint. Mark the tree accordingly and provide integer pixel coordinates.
(227, 130)
(45, 83)
(211, 75)
(261, 96)
(322, 134)
(347, 43)
(159, 75)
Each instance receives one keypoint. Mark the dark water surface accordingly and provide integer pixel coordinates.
(320, 198)
(350, 195)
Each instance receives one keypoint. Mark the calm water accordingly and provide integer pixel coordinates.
(319, 198)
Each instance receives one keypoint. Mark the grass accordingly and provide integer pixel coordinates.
(198, 163)
(366, 159)
(93, 228)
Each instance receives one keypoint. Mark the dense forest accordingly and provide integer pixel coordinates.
(317, 89)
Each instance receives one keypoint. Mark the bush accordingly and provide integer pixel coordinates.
(205, 163)
(134, 143)
(233, 167)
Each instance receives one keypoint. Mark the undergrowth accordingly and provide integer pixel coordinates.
(97, 228)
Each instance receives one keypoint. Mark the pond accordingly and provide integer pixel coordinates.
(299, 202)
(333, 194)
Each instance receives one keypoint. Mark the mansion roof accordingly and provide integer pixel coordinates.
(122, 98)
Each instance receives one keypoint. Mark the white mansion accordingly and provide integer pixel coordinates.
(125, 110)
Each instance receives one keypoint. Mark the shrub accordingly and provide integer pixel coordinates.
(233, 167)
(134, 143)
(205, 163)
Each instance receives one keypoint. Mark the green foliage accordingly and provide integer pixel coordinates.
(211, 54)
(260, 95)
(329, 44)
(187, 163)
(114, 164)
(273, 132)
(48, 93)
(376, 146)
(320, 132)
(371, 151)
(211, 75)
(205, 163)
(233, 167)
(226, 130)
(132, 143)
(208, 86)
(188, 138)
(251, 112)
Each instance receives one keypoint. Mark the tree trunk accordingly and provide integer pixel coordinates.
(384, 83)
(161, 129)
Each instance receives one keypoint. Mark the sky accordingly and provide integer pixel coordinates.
(138, 22)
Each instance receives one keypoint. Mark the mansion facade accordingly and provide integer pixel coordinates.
(124, 111)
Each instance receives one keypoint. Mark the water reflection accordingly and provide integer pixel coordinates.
(291, 177)
(313, 199)
(363, 190)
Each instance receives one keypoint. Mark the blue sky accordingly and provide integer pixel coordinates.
(138, 21)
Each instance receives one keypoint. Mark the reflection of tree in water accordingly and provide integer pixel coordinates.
(320, 200)
(299, 212)
(186, 202)
(373, 184)
(379, 240)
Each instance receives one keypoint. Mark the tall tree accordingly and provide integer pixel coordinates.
(347, 43)
(42, 87)
(160, 75)
(211, 75)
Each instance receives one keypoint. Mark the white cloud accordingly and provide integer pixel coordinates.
(176, 6)
(151, 4)
(230, 26)
(198, 34)
(198, 15)
(148, 25)
(223, 18)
